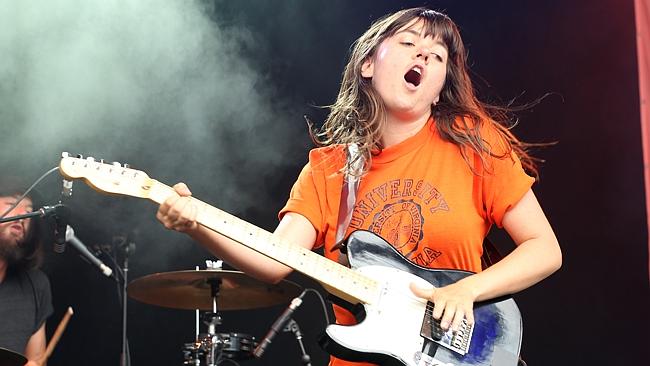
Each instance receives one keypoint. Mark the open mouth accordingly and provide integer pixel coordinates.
(413, 76)
(16, 229)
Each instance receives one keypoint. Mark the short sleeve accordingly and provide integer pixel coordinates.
(317, 191)
(43, 296)
(504, 181)
(304, 200)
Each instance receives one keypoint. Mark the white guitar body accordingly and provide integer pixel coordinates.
(392, 323)
(398, 328)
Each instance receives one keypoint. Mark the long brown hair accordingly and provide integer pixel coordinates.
(359, 115)
(30, 253)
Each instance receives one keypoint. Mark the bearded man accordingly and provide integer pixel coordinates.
(25, 297)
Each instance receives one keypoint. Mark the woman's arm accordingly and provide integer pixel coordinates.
(178, 213)
(536, 256)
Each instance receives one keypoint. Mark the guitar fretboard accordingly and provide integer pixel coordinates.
(337, 279)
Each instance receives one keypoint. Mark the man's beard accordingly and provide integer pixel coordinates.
(11, 252)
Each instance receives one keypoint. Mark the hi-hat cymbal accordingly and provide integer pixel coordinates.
(10, 358)
(192, 290)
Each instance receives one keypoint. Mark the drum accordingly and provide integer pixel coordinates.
(234, 346)
(238, 346)
(193, 354)
(11, 358)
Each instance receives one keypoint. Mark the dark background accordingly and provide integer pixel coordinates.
(593, 311)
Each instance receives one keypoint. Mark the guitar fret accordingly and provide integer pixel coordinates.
(340, 280)
(297, 257)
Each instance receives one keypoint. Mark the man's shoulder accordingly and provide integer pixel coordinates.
(38, 277)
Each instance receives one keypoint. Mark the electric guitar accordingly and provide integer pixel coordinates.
(397, 327)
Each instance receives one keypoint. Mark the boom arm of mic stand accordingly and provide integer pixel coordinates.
(43, 211)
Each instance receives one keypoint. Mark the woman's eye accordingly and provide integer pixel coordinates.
(408, 43)
(437, 57)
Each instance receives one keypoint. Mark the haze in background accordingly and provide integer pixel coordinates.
(158, 84)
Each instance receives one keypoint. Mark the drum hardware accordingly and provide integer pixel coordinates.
(11, 358)
(293, 327)
(212, 319)
(210, 345)
(287, 324)
(190, 290)
(232, 347)
(126, 247)
(212, 290)
(277, 325)
(214, 346)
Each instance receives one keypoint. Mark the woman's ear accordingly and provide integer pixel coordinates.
(368, 68)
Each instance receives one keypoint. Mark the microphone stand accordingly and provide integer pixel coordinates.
(293, 327)
(41, 212)
(126, 248)
(59, 212)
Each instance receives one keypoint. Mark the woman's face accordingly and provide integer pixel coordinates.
(408, 72)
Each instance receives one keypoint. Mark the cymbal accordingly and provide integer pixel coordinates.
(192, 290)
(11, 358)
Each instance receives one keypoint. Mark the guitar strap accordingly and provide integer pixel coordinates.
(348, 198)
(490, 255)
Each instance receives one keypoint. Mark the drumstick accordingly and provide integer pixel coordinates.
(57, 334)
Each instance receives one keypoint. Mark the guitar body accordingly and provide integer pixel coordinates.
(390, 331)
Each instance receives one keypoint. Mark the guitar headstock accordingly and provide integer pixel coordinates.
(108, 178)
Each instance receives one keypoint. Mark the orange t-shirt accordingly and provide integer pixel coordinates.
(419, 195)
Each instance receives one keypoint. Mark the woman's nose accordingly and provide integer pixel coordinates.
(424, 55)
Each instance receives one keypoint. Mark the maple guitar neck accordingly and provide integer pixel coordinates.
(337, 279)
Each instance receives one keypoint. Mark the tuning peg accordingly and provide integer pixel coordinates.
(101, 161)
(80, 156)
(126, 166)
(65, 154)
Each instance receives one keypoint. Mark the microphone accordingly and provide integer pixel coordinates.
(66, 189)
(83, 250)
(61, 218)
(277, 326)
(47, 211)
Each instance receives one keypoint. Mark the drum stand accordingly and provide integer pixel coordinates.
(293, 327)
(212, 319)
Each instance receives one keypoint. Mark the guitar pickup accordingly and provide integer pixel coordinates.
(458, 341)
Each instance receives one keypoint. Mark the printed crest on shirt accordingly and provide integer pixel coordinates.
(393, 210)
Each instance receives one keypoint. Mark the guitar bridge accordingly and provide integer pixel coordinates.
(458, 341)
